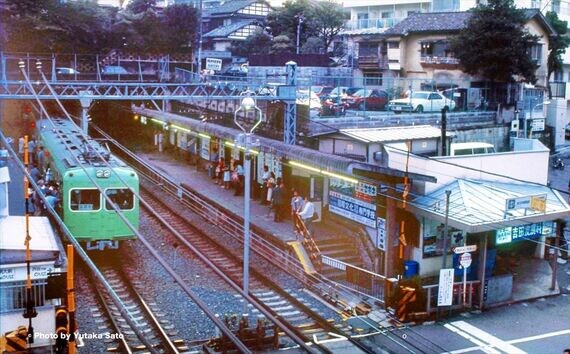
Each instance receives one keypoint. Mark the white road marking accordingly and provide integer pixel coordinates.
(481, 345)
(520, 340)
(487, 337)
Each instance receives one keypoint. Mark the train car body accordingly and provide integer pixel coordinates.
(76, 164)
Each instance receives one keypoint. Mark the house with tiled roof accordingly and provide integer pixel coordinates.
(232, 21)
(418, 47)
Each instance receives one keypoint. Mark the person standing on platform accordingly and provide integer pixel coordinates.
(297, 204)
(278, 199)
(241, 177)
(32, 151)
(40, 156)
(21, 143)
(307, 214)
(263, 186)
(269, 188)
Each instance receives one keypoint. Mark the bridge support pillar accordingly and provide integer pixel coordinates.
(85, 105)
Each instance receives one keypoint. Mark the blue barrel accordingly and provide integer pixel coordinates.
(411, 268)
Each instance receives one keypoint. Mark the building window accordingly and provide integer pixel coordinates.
(445, 5)
(433, 237)
(558, 76)
(388, 14)
(556, 6)
(536, 53)
(535, 4)
(367, 49)
(13, 294)
(393, 45)
(362, 19)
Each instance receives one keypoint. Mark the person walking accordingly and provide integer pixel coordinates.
(21, 143)
(307, 214)
(241, 177)
(278, 199)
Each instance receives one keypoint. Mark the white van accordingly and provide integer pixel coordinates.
(462, 149)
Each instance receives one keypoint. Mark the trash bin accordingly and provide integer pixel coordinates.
(411, 268)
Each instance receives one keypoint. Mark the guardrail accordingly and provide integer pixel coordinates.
(473, 289)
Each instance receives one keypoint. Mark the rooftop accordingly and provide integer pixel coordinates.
(391, 134)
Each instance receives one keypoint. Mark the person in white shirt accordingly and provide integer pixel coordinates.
(307, 214)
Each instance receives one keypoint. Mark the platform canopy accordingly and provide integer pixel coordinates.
(43, 242)
(392, 134)
(479, 206)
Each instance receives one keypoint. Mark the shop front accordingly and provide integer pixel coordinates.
(507, 243)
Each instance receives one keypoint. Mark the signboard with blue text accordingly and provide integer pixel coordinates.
(352, 208)
(522, 232)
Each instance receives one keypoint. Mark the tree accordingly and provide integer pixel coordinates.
(282, 44)
(313, 45)
(557, 45)
(323, 20)
(258, 42)
(329, 18)
(139, 6)
(495, 43)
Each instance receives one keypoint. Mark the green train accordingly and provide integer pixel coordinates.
(75, 162)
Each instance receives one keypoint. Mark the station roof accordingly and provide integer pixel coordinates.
(43, 244)
(393, 134)
(332, 163)
(478, 206)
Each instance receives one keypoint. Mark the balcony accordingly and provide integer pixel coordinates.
(559, 89)
(372, 62)
(439, 62)
(372, 23)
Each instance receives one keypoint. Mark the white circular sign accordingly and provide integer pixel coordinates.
(465, 260)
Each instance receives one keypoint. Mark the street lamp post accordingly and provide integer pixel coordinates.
(245, 140)
(545, 103)
(300, 20)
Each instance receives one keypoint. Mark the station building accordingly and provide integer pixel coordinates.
(390, 184)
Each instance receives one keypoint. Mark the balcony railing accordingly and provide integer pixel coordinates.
(439, 60)
(372, 23)
(372, 62)
(558, 89)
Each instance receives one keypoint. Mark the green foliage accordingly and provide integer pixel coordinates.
(258, 42)
(85, 27)
(313, 45)
(323, 20)
(558, 44)
(495, 43)
(282, 44)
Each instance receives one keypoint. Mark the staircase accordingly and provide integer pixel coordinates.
(341, 248)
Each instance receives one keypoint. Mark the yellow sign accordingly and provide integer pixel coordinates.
(538, 203)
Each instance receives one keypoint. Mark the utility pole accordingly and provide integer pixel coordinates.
(443, 132)
(445, 228)
(200, 29)
(300, 19)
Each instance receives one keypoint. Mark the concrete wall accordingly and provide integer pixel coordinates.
(557, 117)
(498, 136)
(509, 164)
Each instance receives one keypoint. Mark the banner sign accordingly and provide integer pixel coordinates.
(529, 231)
(352, 208)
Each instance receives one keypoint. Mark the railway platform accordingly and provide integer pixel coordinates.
(260, 215)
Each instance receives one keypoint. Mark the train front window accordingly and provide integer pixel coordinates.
(84, 200)
(123, 197)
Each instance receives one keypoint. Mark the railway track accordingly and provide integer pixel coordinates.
(286, 304)
(146, 316)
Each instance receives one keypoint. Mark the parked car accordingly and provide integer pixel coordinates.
(368, 99)
(314, 102)
(114, 70)
(66, 71)
(567, 132)
(322, 91)
(343, 91)
(421, 101)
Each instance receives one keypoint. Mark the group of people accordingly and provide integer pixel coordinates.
(229, 176)
(274, 195)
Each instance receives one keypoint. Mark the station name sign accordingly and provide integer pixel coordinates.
(529, 231)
